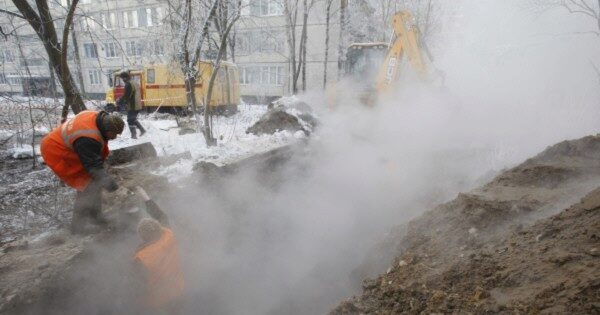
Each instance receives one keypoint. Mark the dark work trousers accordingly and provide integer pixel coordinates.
(132, 118)
(88, 204)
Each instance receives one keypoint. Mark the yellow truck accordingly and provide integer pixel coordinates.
(163, 85)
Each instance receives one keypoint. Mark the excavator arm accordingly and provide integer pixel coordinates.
(406, 41)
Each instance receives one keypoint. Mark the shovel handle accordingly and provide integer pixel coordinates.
(142, 193)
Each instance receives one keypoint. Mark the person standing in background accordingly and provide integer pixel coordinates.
(133, 103)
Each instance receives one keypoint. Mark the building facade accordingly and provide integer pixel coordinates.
(113, 35)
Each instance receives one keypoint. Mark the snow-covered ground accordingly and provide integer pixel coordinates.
(162, 131)
(232, 141)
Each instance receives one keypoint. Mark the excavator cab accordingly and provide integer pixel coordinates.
(362, 63)
(375, 67)
(364, 59)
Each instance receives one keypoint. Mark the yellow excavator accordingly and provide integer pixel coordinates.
(362, 59)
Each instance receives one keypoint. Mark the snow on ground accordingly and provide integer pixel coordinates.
(23, 151)
(232, 141)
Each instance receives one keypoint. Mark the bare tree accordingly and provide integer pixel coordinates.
(229, 23)
(76, 55)
(188, 58)
(584, 8)
(328, 4)
(297, 50)
(222, 15)
(341, 48)
(587, 8)
(43, 24)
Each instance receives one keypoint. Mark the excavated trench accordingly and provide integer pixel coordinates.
(236, 250)
(59, 273)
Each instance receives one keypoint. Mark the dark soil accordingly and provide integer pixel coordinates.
(527, 242)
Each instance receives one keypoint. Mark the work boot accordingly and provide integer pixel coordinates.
(133, 132)
(142, 130)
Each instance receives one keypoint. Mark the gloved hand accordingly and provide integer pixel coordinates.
(104, 180)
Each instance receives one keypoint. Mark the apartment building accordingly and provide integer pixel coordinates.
(113, 35)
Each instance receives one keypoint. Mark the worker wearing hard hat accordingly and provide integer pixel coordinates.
(76, 151)
(158, 263)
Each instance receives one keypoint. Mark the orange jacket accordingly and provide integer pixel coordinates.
(164, 280)
(57, 148)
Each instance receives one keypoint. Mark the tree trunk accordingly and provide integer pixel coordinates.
(210, 140)
(291, 37)
(43, 25)
(341, 58)
(326, 59)
(52, 81)
(78, 68)
(303, 47)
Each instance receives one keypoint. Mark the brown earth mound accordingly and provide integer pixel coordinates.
(501, 247)
(277, 119)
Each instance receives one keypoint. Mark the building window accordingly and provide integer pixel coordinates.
(157, 48)
(14, 78)
(142, 17)
(103, 20)
(91, 51)
(111, 50)
(264, 41)
(108, 20)
(262, 7)
(109, 76)
(261, 75)
(32, 61)
(133, 48)
(150, 76)
(155, 16)
(88, 24)
(6, 56)
(130, 19)
(95, 77)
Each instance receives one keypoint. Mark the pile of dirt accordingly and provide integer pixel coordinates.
(279, 119)
(31, 271)
(507, 246)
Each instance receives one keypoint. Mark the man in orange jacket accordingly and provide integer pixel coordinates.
(75, 151)
(158, 264)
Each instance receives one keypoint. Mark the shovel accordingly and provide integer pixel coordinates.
(152, 207)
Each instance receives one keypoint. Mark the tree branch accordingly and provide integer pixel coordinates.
(65, 37)
(29, 14)
(12, 13)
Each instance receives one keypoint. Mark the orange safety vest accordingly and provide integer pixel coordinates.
(164, 281)
(57, 148)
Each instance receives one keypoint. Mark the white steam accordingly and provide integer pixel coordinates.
(513, 88)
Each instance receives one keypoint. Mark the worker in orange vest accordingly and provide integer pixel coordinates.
(158, 263)
(75, 151)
